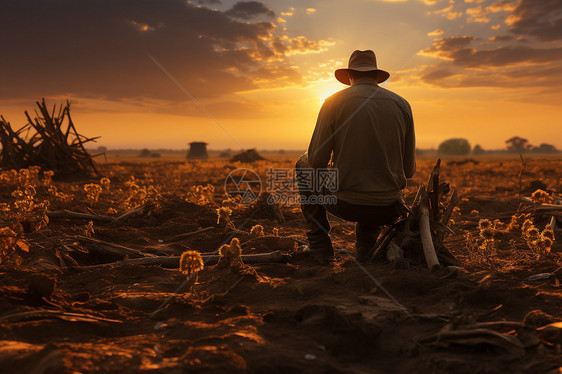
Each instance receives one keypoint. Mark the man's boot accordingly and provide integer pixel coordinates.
(367, 235)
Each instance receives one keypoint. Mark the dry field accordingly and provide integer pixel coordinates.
(79, 295)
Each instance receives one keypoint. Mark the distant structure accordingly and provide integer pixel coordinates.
(197, 151)
(250, 155)
(224, 154)
(148, 153)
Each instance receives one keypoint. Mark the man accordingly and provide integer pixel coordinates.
(366, 133)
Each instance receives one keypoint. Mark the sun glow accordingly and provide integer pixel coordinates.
(327, 88)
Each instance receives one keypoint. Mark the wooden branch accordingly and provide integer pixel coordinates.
(48, 146)
(67, 316)
(382, 242)
(131, 212)
(433, 191)
(425, 233)
(115, 248)
(187, 234)
(67, 214)
(172, 262)
(552, 223)
(453, 201)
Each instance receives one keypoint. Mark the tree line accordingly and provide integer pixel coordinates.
(516, 144)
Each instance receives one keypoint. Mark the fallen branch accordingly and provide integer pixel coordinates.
(187, 234)
(67, 316)
(115, 248)
(131, 212)
(453, 201)
(474, 337)
(172, 262)
(67, 214)
(552, 223)
(425, 233)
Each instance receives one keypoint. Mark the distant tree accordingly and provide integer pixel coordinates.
(454, 146)
(545, 148)
(518, 144)
(478, 150)
(145, 153)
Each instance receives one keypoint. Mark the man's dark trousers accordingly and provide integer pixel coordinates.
(368, 218)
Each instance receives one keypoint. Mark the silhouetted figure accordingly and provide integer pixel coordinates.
(365, 135)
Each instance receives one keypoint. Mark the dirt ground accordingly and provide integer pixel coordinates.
(71, 308)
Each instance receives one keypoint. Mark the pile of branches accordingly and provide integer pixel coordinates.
(418, 235)
(49, 141)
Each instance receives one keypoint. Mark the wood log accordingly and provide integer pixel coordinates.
(433, 191)
(67, 214)
(187, 234)
(552, 223)
(425, 233)
(114, 248)
(172, 262)
(131, 212)
(453, 201)
(45, 314)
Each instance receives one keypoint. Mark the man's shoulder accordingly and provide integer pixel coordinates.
(394, 96)
(367, 91)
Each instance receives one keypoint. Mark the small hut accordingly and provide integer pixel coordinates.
(197, 151)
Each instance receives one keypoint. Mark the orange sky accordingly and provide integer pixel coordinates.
(481, 69)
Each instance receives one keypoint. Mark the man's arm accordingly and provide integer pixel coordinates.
(321, 144)
(410, 148)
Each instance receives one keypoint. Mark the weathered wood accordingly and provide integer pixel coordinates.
(42, 142)
(425, 233)
(131, 212)
(433, 191)
(382, 242)
(114, 248)
(67, 214)
(187, 234)
(552, 223)
(67, 316)
(172, 262)
(453, 201)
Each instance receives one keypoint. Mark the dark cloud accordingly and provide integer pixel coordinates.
(501, 38)
(249, 10)
(503, 60)
(97, 48)
(545, 79)
(541, 19)
(457, 50)
(437, 75)
(209, 2)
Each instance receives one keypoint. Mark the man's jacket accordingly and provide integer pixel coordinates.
(368, 132)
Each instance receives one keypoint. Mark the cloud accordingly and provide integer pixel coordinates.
(249, 9)
(507, 59)
(449, 13)
(435, 32)
(458, 51)
(83, 49)
(477, 14)
(540, 19)
(208, 2)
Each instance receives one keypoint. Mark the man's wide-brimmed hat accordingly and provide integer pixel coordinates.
(361, 61)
